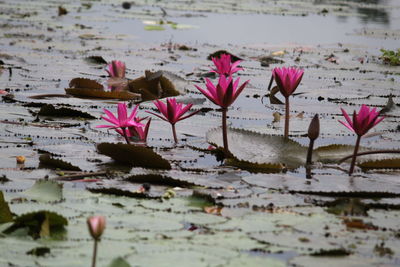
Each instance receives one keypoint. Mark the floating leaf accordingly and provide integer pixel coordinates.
(45, 190)
(255, 150)
(39, 251)
(267, 60)
(154, 28)
(39, 224)
(50, 110)
(119, 262)
(85, 83)
(5, 213)
(121, 192)
(158, 179)
(218, 53)
(90, 93)
(392, 163)
(96, 60)
(47, 160)
(137, 156)
(153, 86)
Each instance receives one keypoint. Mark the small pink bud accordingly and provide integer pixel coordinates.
(96, 225)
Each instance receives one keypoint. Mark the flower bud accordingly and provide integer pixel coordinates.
(313, 129)
(96, 225)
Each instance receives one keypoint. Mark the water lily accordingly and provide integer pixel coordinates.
(223, 95)
(224, 65)
(116, 69)
(123, 121)
(139, 132)
(96, 225)
(172, 112)
(360, 124)
(287, 79)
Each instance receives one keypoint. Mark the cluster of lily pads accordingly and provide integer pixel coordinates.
(223, 94)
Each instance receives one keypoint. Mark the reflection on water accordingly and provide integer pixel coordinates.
(368, 14)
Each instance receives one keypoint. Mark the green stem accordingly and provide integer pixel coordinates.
(225, 131)
(287, 115)
(353, 161)
(94, 253)
(174, 133)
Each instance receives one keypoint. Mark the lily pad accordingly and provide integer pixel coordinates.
(47, 161)
(119, 262)
(5, 213)
(39, 224)
(137, 156)
(158, 179)
(45, 191)
(391, 163)
(50, 110)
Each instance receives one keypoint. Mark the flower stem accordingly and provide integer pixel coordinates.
(125, 135)
(174, 133)
(309, 152)
(353, 161)
(94, 253)
(225, 131)
(287, 115)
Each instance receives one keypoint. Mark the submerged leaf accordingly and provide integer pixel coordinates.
(5, 213)
(137, 156)
(157, 179)
(39, 223)
(45, 190)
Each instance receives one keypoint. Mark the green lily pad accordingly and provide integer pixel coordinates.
(47, 161)
(119, 262)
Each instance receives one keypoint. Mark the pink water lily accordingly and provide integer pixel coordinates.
(223, 95)
(116, 69)
(172, 112)
(123, 121)
(360, 124)
(287, 79)
(224, 65)
(363, 121)
(226, 91)
(139, 132)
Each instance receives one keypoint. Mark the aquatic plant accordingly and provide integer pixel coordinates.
(122, 122)
(224, 65)
(96, 225)
(288, 80)
(172, 112)
(313, 133)
(360, 124)
(116, 69)
(223, 95)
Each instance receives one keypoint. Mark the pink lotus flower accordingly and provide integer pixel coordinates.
(96, 225)
(225, 93)
(123, 121)
(363, 121)
(116, 69)
(224, 65)
(172, 112)
(360, 125)
(139, 132)
(287, 79)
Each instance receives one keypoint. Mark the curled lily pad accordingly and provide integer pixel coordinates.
(5, 213)
(137, 156)
(96, 60)
(391, 163)
(39, 224)
(255, 150)
(45, 190)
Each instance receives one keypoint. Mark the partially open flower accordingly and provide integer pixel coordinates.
(224, 65)
(287, 79)
(123, 120)
(96, 225)
(172, 111)
(362, 122)
(116, 69)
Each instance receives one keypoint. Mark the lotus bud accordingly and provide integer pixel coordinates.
(313, 129)
(96, 225)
